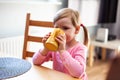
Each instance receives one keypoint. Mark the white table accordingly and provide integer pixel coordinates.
(114, 45)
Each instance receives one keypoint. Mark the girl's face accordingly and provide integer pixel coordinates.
(66, 25)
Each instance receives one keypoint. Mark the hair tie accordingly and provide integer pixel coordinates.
(82, 25)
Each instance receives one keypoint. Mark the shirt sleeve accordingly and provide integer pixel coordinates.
(75, 63)
(38, 59)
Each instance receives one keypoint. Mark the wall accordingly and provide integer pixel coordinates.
(88, 10)
(13, 15)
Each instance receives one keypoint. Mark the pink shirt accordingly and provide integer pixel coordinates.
(72, 61)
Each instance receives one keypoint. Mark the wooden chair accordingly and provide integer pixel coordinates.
(28, 38)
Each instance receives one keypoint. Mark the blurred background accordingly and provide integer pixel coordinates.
(13, 14)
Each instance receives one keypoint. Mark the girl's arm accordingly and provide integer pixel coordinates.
(76, 63)
(40, 57)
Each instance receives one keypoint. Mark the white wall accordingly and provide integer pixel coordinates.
(13, 14)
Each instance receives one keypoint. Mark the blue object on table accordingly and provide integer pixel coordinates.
(12, 67)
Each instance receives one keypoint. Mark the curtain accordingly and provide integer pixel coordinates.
(108, 10)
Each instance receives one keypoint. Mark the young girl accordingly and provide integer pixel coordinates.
(70, 58)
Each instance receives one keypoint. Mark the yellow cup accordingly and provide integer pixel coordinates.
(51, 44)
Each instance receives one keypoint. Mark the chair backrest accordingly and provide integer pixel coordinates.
(28, 38)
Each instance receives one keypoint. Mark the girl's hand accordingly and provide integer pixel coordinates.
(45, 38)
(61, 39)
(45, 50)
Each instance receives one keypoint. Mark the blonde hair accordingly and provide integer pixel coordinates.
(75, 18)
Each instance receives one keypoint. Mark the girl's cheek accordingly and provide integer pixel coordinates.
(67, 37)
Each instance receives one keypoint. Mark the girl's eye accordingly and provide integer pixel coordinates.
(65, 28)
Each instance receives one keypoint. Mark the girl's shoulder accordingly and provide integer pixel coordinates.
(78, 49)
(79, 45)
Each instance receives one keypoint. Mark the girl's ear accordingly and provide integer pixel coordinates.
(77, 29)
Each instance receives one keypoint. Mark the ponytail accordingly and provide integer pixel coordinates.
(86, 36)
